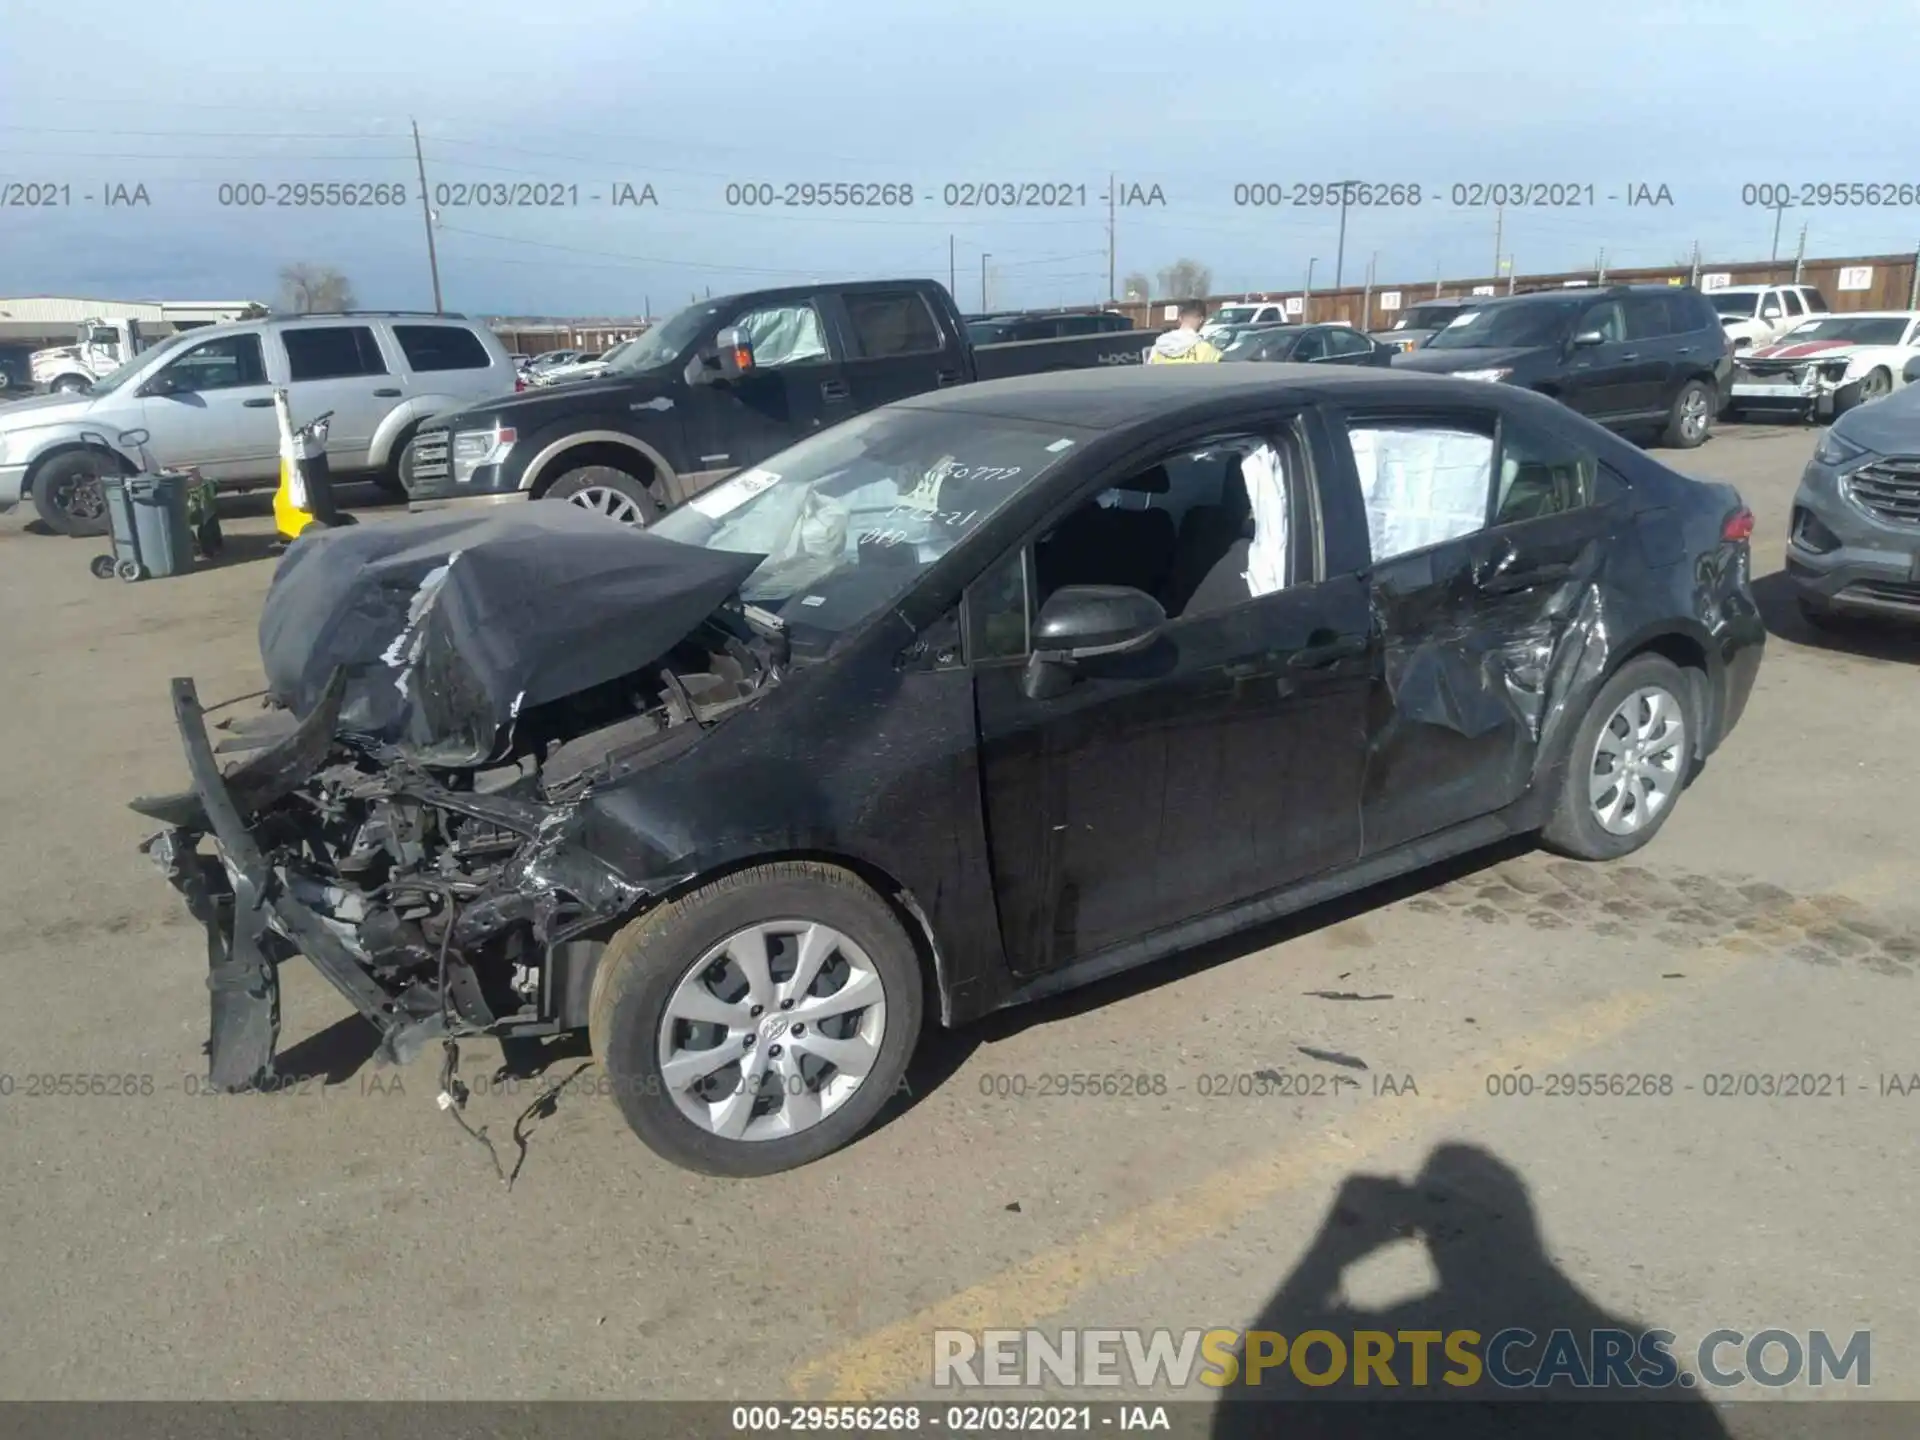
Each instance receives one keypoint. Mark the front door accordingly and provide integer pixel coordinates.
(1223, 763)
(795, 389)
(1615, 377)
(218, 413)
(1485, 542)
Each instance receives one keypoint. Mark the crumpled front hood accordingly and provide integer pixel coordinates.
(449, 627)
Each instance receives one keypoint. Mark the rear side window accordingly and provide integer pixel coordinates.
(892, 322)
(1650, 316)
(1816, 302)
(1425, 482)
(331, 352)
(441, 347)
(1541, 474)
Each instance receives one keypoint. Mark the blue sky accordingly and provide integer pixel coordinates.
(687, 98)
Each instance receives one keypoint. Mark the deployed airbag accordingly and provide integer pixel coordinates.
(448, 628)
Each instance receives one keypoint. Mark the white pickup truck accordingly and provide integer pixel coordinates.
(104, 346)
(1757, 315)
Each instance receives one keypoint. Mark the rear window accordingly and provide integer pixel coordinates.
(331, 352)
(892, 322)
(441, 347)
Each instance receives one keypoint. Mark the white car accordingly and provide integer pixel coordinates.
(1238, 317)
(1828, 365)
(586, 369)
(1755, 315)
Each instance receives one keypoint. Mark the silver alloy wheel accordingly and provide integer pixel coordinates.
(1693, 414)
(604, 500)
(1638, 761)
(772, 1030)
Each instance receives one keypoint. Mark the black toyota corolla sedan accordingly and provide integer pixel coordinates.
(969, 700)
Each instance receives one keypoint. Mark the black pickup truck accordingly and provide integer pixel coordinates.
(720, 386)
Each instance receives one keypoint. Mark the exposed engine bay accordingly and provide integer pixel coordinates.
(441, 899)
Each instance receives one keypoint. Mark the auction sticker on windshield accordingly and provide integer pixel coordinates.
(730, 496)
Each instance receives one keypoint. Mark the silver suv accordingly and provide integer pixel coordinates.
(205, 399)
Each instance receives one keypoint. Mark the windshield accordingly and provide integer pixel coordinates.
(850, 518)
(664, 343)
(1533, 324)
(1430, 317)
(1232, 315)
(1852, 329)
(114, 379)
(1735, 306)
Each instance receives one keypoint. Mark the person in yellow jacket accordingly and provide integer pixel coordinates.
(1184, 345)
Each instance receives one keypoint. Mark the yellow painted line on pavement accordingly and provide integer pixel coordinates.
(896, 1357)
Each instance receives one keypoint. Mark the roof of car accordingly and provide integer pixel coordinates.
(1756, 289)
(1108, 399)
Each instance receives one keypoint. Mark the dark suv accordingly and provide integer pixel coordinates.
(1629, 356)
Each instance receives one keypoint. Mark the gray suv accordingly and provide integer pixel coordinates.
(205, 399)
(1853, 548)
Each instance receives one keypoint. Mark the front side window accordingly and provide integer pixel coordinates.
(1541, 474)
(1311, 346)
(223, 364)
(1609, 319)
(783, 335)
(331, 352)
(1424, 482)
(1347, 342)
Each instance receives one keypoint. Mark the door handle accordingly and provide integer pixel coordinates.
(257, 404)
(1629, 354)
(1316, 657)
(947, 377)
(835, 389)
(386, 394)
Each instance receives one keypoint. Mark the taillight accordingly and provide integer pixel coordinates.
(519, 383)
(1738, 526)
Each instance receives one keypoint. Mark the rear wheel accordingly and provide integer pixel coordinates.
(69, 385)
(759, 1022)
(610, 492)
(1690, 420)
(1627, 763)
(68, 494)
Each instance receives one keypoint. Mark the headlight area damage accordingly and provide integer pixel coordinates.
(446, 694)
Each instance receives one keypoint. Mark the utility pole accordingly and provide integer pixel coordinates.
(1800, 256)
(1913, 287)
(1600, 267)
(1693, 278)
(1112, 185)
(951, 287)
(1438, 273)
(1306, 300)
(1340, 253)
(1366, 300)
(1499, 228)
(983, 282)
(426, 217)
(1773, 255)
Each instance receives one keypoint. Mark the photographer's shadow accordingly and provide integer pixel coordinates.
(1473, 1215)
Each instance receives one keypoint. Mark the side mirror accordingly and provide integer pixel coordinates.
(1080, 622)
(1588, 337)
(1772, 312)
(734, 352)
(167, 382)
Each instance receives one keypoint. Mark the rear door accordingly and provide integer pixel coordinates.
(896, 346)
(220, 415)
(1483, 531)
(1655, 324)
(796, 387)
(343, 370)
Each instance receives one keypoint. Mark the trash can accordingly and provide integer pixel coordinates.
(148, 516)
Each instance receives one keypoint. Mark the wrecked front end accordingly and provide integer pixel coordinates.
(441, 899)
(1808, 384)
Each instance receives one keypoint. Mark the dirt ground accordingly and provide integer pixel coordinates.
(346, 1240)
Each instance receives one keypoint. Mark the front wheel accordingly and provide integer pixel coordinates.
(610, 492)
(1691, 419)
(68, 494)
(1877, 385)
(69, 385)
(1626, 765)
(761, 1021)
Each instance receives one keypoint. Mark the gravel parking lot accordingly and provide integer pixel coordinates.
(345, 1240)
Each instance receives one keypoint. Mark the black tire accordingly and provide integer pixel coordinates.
(387, 479)
(1573, 829)
(637, 976)
(588, 478)
(1690, 418)
(67, 493)
(69, 385)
